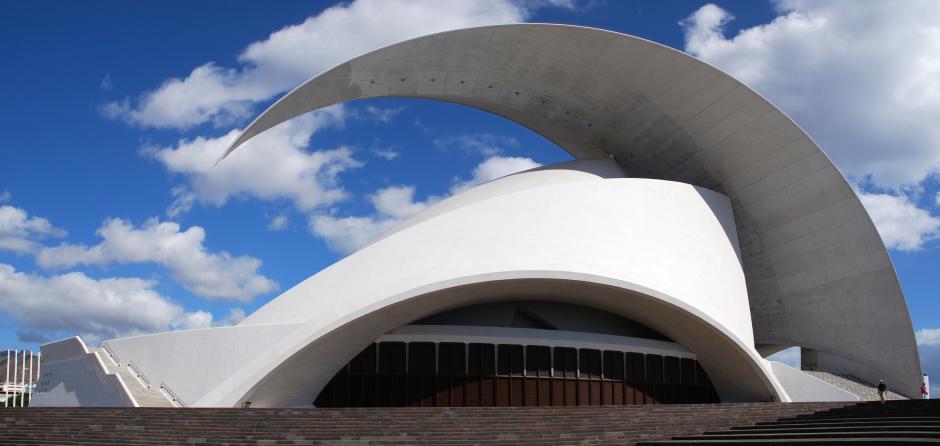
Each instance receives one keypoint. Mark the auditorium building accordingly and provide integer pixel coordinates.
(697, 231)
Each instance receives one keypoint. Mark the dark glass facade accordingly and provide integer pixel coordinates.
(449, 374)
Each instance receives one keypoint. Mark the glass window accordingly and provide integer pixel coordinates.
(421, 360)
(566, 362)
(451, 359)
(671, 370)
(509, 361)
(590, 363)
(613, 365)
(654, 368)
(364, 362)
(392, 358)
(482, 361)
(538, 360)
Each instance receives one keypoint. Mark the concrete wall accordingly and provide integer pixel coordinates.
(802, 387)
(661, 253)
(191, 362)
(74, 376)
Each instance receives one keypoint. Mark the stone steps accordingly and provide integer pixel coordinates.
(895, 422)
(373, 426)
(145, 395)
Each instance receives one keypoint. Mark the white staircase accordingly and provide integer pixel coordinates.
(854, 385)
(146, 394)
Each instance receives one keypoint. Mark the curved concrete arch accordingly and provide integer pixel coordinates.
(808, 246)
(682, 277)
(297, 375)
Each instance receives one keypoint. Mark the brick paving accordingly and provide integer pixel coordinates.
(624, 425)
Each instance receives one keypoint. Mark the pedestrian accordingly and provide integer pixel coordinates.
(882, 388)
(923, 391)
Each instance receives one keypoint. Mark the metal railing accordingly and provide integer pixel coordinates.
(134, 369)
(173, 397)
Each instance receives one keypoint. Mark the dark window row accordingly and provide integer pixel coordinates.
(458, 374)
(459, 359)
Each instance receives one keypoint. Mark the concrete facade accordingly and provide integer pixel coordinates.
(695, 208)
(818, 274)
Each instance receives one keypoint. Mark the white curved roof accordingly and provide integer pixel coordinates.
(818, 274)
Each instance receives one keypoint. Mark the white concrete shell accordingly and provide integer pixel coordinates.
(661, 253)
(817, 272)
(718, 224)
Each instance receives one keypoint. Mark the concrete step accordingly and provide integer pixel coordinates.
(412, 426)
(797, 442)
(821, 435)
(856, 428)
(145, 394)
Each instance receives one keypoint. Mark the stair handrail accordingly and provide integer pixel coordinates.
(114, 357)
(175, 399)
(133, 368)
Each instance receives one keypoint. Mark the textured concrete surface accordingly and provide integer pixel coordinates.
(681, 277)
(818, 275)
(865, 392)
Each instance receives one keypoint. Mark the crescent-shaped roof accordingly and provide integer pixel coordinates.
(818, 274)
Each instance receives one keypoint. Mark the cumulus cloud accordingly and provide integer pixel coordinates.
(395, 204)
(211, 93)
(928, 337)
(183, 200)
(21, 233)
(94, 309)
(486, 144)
(493, 168)
(207, 274)
(903, 226)
(278, 223)
(347, 234)
(386, 154)
(273, 165)
(383, 115)
(862, 78)
(790, 357)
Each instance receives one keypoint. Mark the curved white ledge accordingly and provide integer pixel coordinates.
(660, 253)
(809, 249)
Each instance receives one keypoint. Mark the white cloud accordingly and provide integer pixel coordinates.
(347, 234)
(183, 200)
(936, 199)
(790, 357)
(928, 337)
(211, 93)
(395, 204)
(105, 84)
(20, 233)
(273, 165)
(278, 223)
(493, 168)
(485, 144)
(234, 316)
(383, 115)
(862, 77)
(207, 274)
(902, 225)
(386, 154)
(95, 309)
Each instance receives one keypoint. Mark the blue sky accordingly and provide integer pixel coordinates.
(114, 221)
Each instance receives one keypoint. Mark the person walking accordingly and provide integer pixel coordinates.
(923, 391)
(882, 388)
